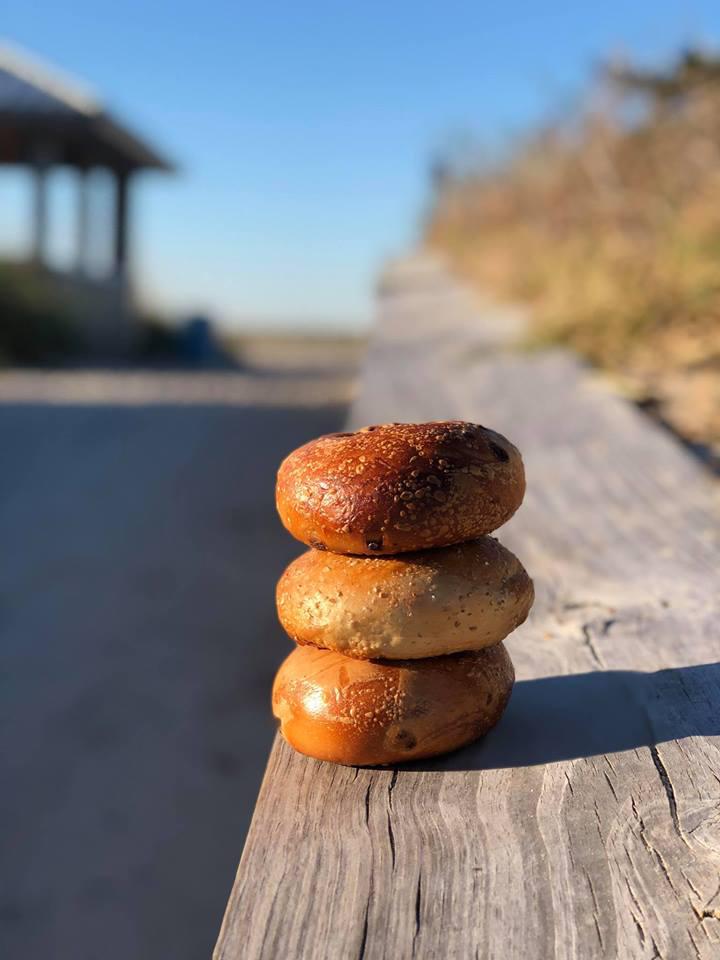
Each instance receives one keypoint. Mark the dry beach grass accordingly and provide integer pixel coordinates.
(609, 226)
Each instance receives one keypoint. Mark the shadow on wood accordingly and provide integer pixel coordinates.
(586, 714)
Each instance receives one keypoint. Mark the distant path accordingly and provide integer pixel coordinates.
(135, 388)
(137, 645)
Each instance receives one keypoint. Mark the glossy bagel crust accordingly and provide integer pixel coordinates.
(464, 597)
(398, 487)
(372, 712)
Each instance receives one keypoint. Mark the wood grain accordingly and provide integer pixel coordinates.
(588, 824)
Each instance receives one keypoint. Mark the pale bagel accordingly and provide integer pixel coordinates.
(464, 597)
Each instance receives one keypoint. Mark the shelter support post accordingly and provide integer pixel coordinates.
(82, 236)
(122, 213)
(39, 212)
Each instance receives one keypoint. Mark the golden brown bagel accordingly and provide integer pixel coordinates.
(370, 712)
(399, 487)
(464, 597)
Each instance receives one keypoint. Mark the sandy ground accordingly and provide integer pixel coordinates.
(138, 642)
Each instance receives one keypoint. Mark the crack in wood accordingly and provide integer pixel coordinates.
(391, 834)
(656, 950)
(418, 908)
(651, 849)
(663, 866)
(590, 644)
(691, 884)
(638, 925)
(596, 910)
(391, 787)
(669, 791)
(612, 788)
(598, 823)
(583, 605)
(707, 912)
(363, 939)
(633, 895)
(717, 891)
(695, 946)
(391, 837)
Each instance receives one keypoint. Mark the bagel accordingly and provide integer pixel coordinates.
(400, 487)
(464, 597)
(370, 712)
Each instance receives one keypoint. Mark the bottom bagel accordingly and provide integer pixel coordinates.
(375, 712)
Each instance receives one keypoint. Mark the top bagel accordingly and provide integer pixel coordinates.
(400, 486)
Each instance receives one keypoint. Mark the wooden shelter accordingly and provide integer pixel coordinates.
(48, 121)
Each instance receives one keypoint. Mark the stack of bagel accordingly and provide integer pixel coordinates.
(400, 606)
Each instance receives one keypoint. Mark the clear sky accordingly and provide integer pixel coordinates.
(304, 128)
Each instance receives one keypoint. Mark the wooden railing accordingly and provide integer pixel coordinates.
(588, 823)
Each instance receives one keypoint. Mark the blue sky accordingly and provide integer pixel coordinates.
(304, 129)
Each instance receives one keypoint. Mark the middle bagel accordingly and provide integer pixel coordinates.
(422, 604)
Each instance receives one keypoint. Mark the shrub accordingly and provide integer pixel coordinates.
(34, 326)
(609, 225)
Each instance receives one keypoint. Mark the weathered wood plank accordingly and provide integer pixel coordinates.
(586, 825)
